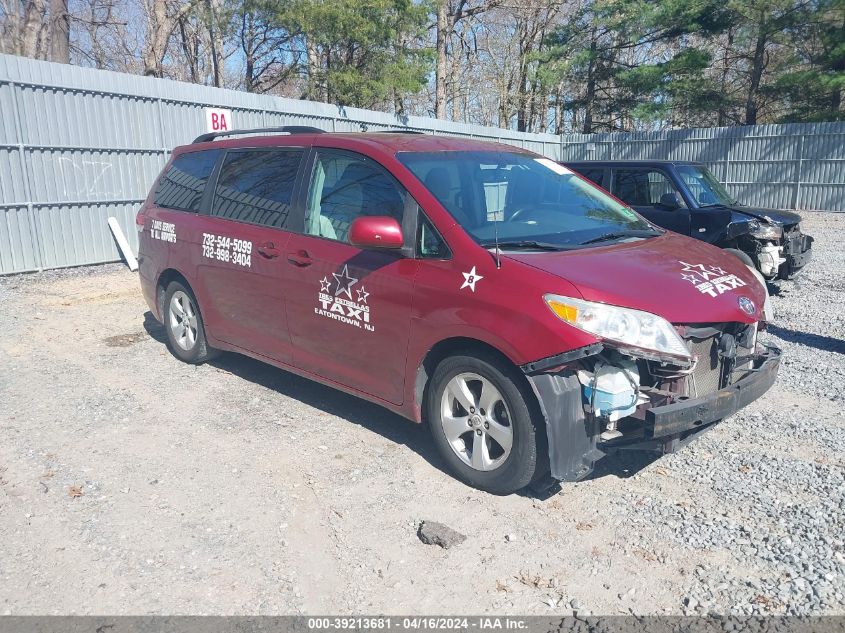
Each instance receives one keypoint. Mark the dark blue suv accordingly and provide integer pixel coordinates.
(686, 198)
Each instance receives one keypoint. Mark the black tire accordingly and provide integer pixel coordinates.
(520, 466)
(198, 350)
(741, 256)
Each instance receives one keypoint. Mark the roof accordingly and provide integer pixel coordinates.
(392, 142)
(631, 162)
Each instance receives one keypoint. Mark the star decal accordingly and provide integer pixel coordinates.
(698, 269)
(362, 295)
(470, 279)
(344, 283)
(690, 278)
(718, 270)
(325, 284)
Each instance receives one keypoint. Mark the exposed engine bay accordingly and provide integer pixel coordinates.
(622, 401)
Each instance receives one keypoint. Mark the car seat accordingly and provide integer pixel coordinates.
(345, 200)
(438, 182)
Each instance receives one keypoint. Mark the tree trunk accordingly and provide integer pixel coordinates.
(216, 43)
(590, 97)
(157, 36)
(757, 63)
(722, 114)
(32, 22)
(59, 32)
(441, 70)
(453, 86)
(839, 67)
(190, 53)
(160, 27)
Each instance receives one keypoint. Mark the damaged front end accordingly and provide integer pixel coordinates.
(604, 397)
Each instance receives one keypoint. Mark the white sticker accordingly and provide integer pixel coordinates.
(710, 280)
(164, 231)
(227, 249)
(560, 170)
(337, 301)
(470, 279)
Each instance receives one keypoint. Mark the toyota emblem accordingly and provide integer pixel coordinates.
(747, 306)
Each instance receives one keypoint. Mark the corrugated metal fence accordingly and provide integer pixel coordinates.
(79, 145)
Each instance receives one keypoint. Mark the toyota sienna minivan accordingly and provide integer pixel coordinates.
(533, 321)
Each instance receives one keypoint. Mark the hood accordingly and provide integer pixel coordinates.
(679, 278)
(778, 216)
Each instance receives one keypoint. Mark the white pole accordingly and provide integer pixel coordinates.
(123, 244)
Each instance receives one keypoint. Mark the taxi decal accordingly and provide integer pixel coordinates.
(227, 249)
(337, 301)
(710, 280)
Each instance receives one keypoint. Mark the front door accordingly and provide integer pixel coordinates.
(642, 189)
(349, 309)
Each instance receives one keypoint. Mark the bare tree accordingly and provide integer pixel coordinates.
(59, 31)
(162, 19)
(449, 14)
(22, 25)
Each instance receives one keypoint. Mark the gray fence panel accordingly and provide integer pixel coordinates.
(79, 145)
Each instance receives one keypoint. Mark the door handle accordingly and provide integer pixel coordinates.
(300, 258)
(268, 250)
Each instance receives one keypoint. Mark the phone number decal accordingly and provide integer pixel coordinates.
(227, 249)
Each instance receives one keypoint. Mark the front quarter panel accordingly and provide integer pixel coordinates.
(504, 308)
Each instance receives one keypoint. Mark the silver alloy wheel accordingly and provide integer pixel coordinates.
(183, 320)
(476, 421)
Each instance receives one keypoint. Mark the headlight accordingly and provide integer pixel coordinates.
(622, 326)
(767, 231)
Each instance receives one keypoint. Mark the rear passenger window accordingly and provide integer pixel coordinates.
(256, 186)
(640, 187)
(183, 184)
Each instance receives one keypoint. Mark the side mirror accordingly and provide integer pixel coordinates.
(670, 201)
(376, 231)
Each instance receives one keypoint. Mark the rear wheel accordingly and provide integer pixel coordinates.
(184, 326)
(481, 420)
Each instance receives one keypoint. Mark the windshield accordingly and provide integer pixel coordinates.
(703, 186)
(531, 202)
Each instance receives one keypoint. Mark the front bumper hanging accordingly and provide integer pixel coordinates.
(573, 435)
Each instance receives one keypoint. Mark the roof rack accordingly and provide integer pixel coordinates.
(286, 129)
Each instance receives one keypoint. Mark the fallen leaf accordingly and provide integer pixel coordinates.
(583, 526)
(74, 492)
(661, 471)
(500, 586)
(745, 468)
(644, 554)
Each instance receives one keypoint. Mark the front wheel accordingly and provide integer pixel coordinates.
(741, 256)
(481, 419)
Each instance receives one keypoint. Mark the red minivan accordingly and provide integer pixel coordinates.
(531, 319)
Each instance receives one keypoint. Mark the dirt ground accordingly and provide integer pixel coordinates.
(131, 483)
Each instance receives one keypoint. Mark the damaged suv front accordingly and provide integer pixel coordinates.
(776, 243)
(646, 384)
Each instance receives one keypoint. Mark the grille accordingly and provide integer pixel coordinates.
(706, 378)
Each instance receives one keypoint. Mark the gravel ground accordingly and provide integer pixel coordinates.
(131, 483)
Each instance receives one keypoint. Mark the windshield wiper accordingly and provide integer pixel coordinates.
(620, 234)
(528, 245)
